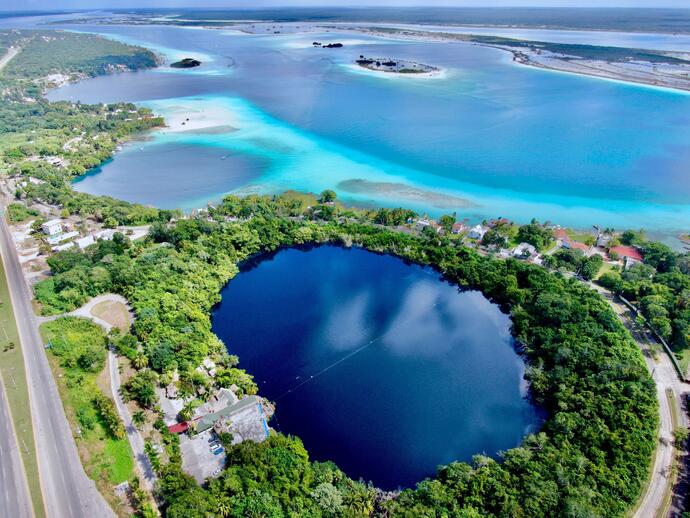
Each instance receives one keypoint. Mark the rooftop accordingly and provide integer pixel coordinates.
(627, 251)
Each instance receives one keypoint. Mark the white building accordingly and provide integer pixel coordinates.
(66, 246)
(52, 227)
(478, 231)
(421, 223)
(59, 238)
(105, 234)
(524, 250)
(85, 241)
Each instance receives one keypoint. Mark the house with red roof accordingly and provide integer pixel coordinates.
(561, 234)
(628, 254)
(576, 245)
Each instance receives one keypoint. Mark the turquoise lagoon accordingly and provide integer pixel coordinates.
(487, 138)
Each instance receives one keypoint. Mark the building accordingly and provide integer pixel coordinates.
(497, 222)
(628, 254)
(603, 240)
(85, 242)
(458, 228)
(478, 232)
(210, 367)
(225, 407)
(105, 234)
(52, 227)
(561, 234)
(436, 226)
(59, 238)
(422, 223)
(61, 248)
(524, 251)
(576, 245)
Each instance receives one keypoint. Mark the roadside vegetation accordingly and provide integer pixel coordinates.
(660, 287)
(77, 356)
(13, 377)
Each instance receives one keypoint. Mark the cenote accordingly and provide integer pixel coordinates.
(376, 364)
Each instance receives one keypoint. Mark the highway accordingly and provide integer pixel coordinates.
(14, 493)
(67, 491)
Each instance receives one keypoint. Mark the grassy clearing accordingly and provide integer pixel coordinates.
(605, 268)
(581, 236)
(106, 460)
(14, 379)
(113, 312)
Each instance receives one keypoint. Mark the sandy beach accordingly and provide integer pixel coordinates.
(196, 117)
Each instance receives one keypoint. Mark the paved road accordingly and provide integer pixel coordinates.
(666, 377)
(67, 491)
(14, 492)
(136, 442)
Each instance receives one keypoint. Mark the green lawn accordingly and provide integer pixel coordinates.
(108, 461)
(580, 236)
(14, 379)
(118, 451)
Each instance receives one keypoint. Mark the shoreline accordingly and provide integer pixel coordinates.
(526, 57)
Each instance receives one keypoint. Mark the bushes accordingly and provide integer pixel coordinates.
(18, 212)
(141, 388)
(77, 342)
(109, 416)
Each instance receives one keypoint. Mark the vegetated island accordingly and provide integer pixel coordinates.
(651, 67)
(399, 66)
(318, 44)
(186, 63)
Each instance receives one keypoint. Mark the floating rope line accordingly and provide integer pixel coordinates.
(338, 362)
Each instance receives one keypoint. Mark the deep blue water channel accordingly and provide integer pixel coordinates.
(408, 372)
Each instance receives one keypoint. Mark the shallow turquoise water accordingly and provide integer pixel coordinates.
(489, 138)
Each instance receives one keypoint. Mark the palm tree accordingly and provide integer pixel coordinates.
(140, 360)
(187, 411)
(224, 508)
(139, 418)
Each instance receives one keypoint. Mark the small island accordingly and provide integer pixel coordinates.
(399, 66)
(186, 63)
(327, 45)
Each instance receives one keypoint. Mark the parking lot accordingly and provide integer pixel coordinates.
(197, 458)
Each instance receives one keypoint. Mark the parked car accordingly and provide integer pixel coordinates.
(218, 451)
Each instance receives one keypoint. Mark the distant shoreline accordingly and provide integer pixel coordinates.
(675, 73)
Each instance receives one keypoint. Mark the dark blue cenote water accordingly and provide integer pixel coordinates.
(408, 372)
